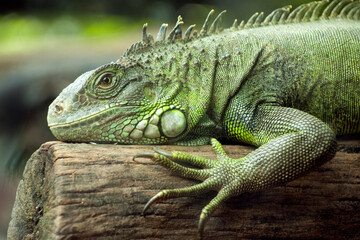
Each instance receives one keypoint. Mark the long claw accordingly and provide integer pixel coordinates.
(153, 200)
(214, 204)
(163, 152)
(202, 221)
(205, 186)
(144, 155)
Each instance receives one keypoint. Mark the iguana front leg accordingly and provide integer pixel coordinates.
(291, 143)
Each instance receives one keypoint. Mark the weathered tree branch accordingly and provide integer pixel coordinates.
(85, 191)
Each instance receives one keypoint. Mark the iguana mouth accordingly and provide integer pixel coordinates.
(65, 124)
(88, 117)
(163, 123)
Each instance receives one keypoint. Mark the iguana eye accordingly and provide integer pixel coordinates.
(105, 85)
(105, 81)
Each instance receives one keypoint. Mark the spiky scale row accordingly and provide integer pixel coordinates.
(313, 11)
(307, 12)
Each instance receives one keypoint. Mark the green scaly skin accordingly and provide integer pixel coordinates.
(287, 83)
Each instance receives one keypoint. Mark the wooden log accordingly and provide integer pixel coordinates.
(84, 191)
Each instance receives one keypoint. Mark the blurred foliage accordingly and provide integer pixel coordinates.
(20, 34)
(35, 23)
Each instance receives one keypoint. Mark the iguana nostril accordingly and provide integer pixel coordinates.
(58, 108)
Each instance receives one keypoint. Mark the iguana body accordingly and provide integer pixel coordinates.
(287, 83)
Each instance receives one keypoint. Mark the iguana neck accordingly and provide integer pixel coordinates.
(190, 67)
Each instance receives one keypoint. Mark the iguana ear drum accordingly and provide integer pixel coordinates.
(173, 123)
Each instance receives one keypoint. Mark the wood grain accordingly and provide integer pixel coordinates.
(85, 191)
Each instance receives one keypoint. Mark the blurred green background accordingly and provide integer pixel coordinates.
(45, 45)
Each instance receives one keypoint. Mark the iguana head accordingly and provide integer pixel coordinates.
(155, 93)
(118, 103)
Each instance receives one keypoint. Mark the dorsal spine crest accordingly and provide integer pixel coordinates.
(310, 12)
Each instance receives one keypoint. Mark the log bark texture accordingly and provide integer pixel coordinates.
(84, 191)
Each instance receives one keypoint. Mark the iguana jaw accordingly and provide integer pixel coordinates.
(69, 130)
(124, 122)
(54, 123)
(159, 126)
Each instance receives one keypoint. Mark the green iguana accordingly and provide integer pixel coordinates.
(287, 83)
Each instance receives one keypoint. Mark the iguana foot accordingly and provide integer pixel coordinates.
(221, 175)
